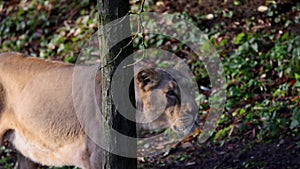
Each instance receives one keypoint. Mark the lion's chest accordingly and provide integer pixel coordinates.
(72, 153)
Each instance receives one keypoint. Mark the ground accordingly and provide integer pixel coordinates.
(260, 52)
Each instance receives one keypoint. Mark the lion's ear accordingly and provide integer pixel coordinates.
(147, 79)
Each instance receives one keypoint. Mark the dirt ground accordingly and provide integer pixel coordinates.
(283, 153)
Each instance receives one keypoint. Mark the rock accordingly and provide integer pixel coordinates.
(262, 8)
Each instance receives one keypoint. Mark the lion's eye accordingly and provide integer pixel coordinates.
(171, 93)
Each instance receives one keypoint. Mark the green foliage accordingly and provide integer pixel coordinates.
(222, 133)
(31, 27)
(254, 91)
(295, 118)
(6, 161)
(260, 55)
(255, 98)
(261, 70)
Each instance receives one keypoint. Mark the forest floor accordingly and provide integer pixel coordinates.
(253, 141)
(282, 151)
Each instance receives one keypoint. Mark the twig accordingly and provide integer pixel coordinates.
(139, 31)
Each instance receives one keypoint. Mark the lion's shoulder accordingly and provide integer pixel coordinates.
(11, 56)
(16, 61)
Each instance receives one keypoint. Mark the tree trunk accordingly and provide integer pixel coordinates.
(110, 10)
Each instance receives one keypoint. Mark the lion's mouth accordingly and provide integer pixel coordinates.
(183, 123)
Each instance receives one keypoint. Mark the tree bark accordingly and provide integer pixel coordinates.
(110, 10)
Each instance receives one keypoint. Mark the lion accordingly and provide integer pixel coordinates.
(38, 118)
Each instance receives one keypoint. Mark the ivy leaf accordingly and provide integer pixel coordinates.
(239, 39)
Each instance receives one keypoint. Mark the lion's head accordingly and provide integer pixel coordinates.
(159, 101)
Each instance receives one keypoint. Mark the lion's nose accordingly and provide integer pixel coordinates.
(178, 129)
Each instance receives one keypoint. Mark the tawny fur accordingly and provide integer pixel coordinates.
(36, 105)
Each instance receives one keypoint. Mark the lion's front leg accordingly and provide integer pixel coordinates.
(95, 154)
(25, 163)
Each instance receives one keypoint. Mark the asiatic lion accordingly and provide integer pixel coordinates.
(37, 113)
